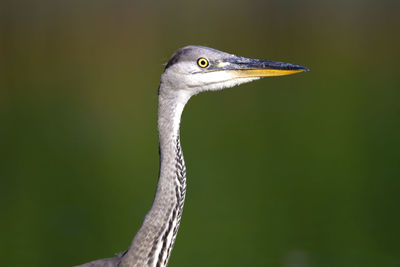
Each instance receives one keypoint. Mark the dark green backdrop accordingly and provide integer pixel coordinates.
(296, 171)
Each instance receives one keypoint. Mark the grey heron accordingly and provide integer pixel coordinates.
(191, 70)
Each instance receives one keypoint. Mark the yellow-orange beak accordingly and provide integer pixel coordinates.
(263, 73)
(246, 67)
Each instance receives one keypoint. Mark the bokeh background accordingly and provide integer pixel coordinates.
(296, 171)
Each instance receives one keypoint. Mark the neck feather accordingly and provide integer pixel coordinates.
(153, 243)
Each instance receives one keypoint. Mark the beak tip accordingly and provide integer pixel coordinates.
(305, 69)
(300, 68)
(293, 67)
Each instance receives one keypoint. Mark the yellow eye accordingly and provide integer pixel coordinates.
(202, 62)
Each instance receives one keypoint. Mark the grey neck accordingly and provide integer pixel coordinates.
(153, 243)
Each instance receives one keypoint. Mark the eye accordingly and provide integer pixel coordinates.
(202, 62)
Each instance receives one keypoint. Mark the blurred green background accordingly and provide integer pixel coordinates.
(296, 171)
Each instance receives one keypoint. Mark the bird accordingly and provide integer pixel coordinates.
(191, 70)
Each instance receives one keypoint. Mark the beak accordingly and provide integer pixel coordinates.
(246, 67)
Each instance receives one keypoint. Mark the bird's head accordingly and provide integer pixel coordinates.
(194, 69)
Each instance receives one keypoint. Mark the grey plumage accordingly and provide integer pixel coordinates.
(183, 77)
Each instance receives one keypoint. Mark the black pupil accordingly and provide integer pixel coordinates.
(203, 62)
